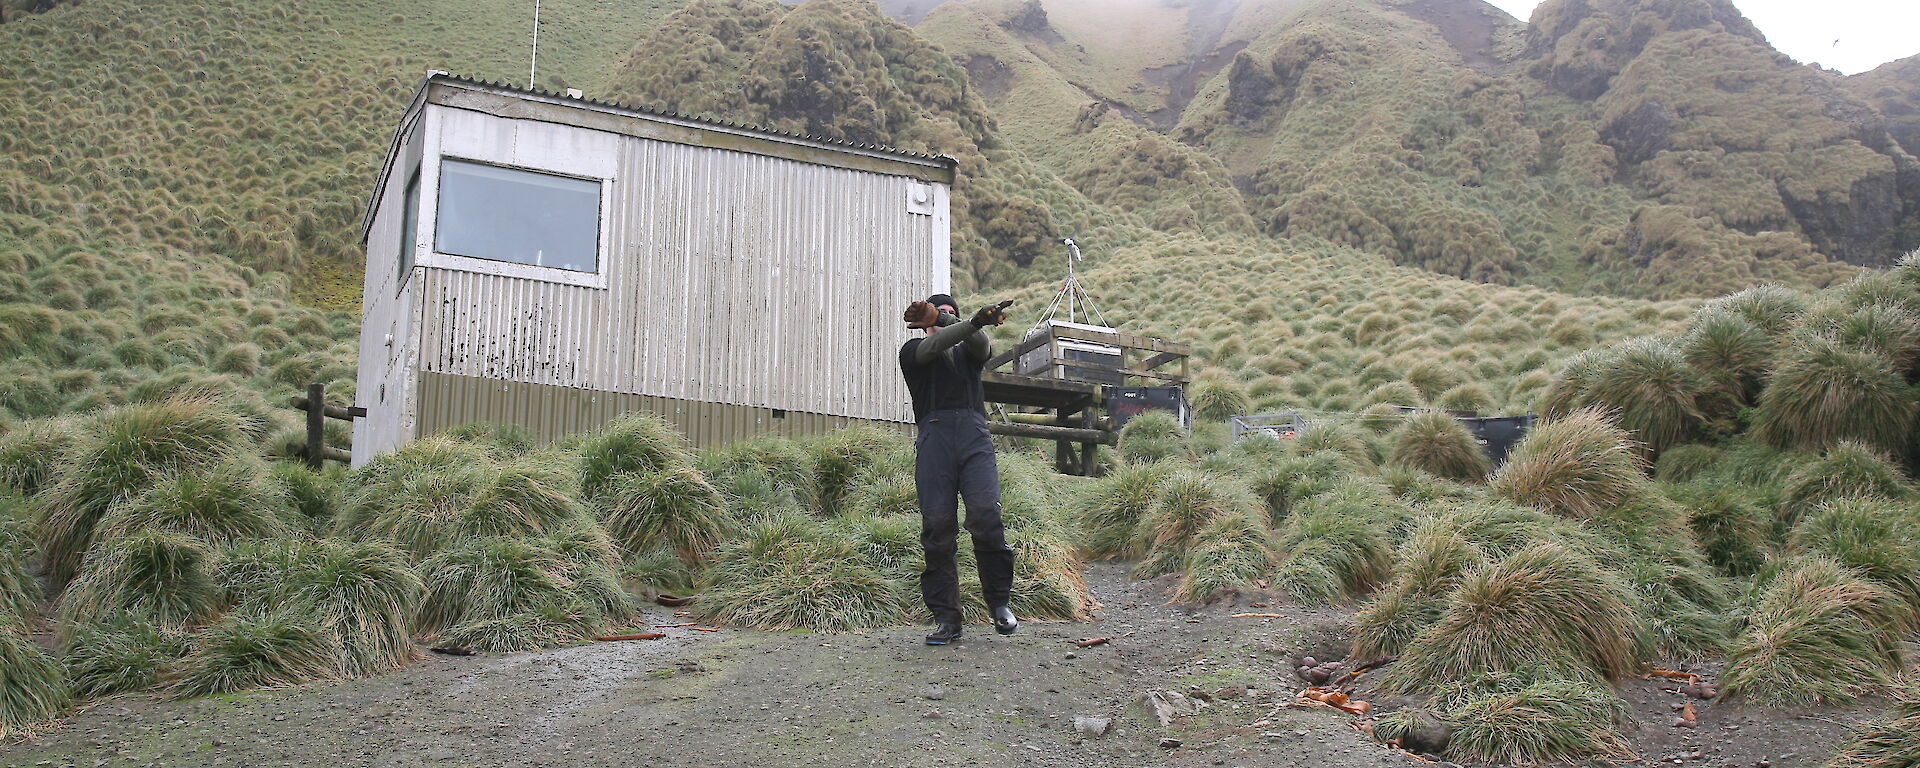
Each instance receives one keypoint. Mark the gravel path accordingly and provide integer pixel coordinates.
(735, 698)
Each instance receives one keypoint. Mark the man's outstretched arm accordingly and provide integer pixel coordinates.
(953, 331)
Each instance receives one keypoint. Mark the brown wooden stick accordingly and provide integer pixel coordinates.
(1090, 642)
(641, 636)
(1257, 616)
(703, 629)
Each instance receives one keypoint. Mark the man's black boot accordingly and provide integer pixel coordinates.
(1003, 620)
(947, 632)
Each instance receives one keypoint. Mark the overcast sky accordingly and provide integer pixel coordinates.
(1852, 36)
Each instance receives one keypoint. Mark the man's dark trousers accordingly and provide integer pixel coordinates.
(955, 459)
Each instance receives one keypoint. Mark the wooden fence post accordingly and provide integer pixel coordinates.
(316, 426)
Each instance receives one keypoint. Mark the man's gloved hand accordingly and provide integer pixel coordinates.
(921, 315)
(991, 315)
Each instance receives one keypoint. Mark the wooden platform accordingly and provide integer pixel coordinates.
(1075, 404)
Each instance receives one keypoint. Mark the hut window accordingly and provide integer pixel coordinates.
(409, 226)
(523, 217)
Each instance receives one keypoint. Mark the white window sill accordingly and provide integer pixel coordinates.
(597, 280)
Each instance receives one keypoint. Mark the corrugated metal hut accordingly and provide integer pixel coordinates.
(553, 261)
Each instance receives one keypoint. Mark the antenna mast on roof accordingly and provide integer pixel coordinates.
(534, 66)
(1072, 296)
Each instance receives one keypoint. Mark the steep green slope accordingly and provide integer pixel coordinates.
(1299, 323)
(1331, 328)
(249, 130)
(840, 69)
(1609, 147)
(1702, 114)
(172, 177)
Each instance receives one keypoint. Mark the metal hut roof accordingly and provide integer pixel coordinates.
(944, 164)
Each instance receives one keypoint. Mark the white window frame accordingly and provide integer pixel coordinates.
(497, 145)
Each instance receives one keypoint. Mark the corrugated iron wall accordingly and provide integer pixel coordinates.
(733, 278)
(387, 309)
(554, 412)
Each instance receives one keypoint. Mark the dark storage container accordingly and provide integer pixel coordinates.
(1124, 403)
(1498, 434)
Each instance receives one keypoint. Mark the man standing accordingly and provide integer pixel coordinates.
(954, 457)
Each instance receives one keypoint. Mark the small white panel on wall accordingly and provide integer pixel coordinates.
(920, 199)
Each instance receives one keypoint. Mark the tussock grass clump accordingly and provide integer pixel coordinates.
(1580, 466)
(1152, 436)
(1437, 553)
(887, 494)
(1683, 463)
(1544, 607)
(1890, 742)
(437, 492)
(1415, 486)
(1331, 554)
(33, 687)
(1285, 483)
(1046, 578)
(120, 657)
(19, 590)
(1111, 507)
(493, 579)
(634, 443)
(1532, 718)
(1820, 633)
(1730, 353)
(1215, 398)
(1433, 442)
(1849, 471)
(1680, 609)
(163, 578)
(1879, 539)
(1775, 309)
(1731, 525)
(1823, 392)
(674, 509)
(527, 498)
(784, 463)
(793, 574)
(365, 594)
(1230, 553)
(1568, 389)
(546, 626)
(1384, 626)
(1886, 330)
(1648, 388)
(1338, 437)
(1186, 502)
(316, 496)
(30, 454)
(841, 458)
(504, 440)
(224, 503)
(258, 651)
(594, 565)
(120, 454)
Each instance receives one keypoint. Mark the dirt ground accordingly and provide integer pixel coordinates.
(736, 698)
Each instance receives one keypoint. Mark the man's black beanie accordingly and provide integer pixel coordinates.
(941, 298)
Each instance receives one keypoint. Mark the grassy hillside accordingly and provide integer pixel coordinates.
(249, 131)
(1444, 134)
(1328, 327)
